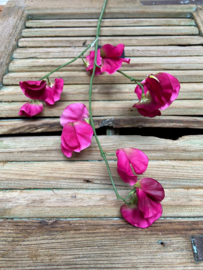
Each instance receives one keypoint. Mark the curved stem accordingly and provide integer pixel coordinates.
(132, 79)
(103, 154)
(73, 60)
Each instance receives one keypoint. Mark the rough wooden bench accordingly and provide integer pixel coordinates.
(59, 213)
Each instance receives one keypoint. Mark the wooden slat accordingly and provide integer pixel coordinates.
(143, 51)
(198, 16)
(106, 108)
(101, 92)
(47, 148)
(81, 244)
(83, 77)
(138, 63)
(48, 125)
(128, 41)
(110, 22)
(79, 203)
(111, 31)
(21, 175)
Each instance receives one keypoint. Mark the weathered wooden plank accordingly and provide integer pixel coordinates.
(76, 203)
(106, 108)
(110, 22)
(111, 31)
(83, 77)
(10, 28)
(81, 244)
(101, 92)
(137, 63)
(198, 16)
(128, 41)
(94, 175)
(21, 126)
(47, 148)
(143, 51)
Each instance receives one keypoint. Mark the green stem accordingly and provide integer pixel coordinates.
(73, 60)
(103, 154)
(132, 79)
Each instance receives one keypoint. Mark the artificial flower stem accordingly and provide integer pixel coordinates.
(132, 79)
(73, 60)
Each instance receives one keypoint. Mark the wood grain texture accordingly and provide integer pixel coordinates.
(94, 175)
(128, 41)
(106, 108)
(97, 244)
(109, 22)
(111, 31)
(80, 203)
(189, 91)
(136, 63)
(138, 51)
(47, 148)
(49, 125)
(10, 29)
(83, 77)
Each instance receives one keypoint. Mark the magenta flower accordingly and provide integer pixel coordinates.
(134, 216)
(34, 89)
(77, 133)
(39, 90)
(53, 92)
(30, 109)
(128, 157)
(146, 207)
(160, 90)
(108, 57)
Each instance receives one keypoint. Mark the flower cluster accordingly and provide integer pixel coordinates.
(143, 204)
(39, 90)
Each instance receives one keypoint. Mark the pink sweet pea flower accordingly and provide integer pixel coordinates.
(34, 89)
(134, 157)
(134, 216)
(30, 109)
(160, 90)
(53, 92)
(145, 208)
(77, 133)
(108, 57)
(41, 91)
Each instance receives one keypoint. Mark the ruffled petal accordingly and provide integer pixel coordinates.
(53, 93)
(136, 217)
(73, 113)
(84, 133)
(152, 188)
(137, 159)
(34, 89)
(111, 65)
(31, 109)
(147, 205)
(110, 51)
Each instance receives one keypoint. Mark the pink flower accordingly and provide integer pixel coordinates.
(145, 208)
(53, 92)
(134, 216)
(77, 133)
(160, 90)
(108, 57)
(34, 89)
(40, 91)
(126, 158)
(30, 109)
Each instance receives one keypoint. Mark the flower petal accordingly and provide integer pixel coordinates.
(111, 65)
(31, 109)
(53, 93)
(110, 51)
(147, 205)
(152, 188)
(69, 138)
(135, 217)
(90, 60)
(137, 159)
(34, 89)
(84, 133)
(73, 113)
